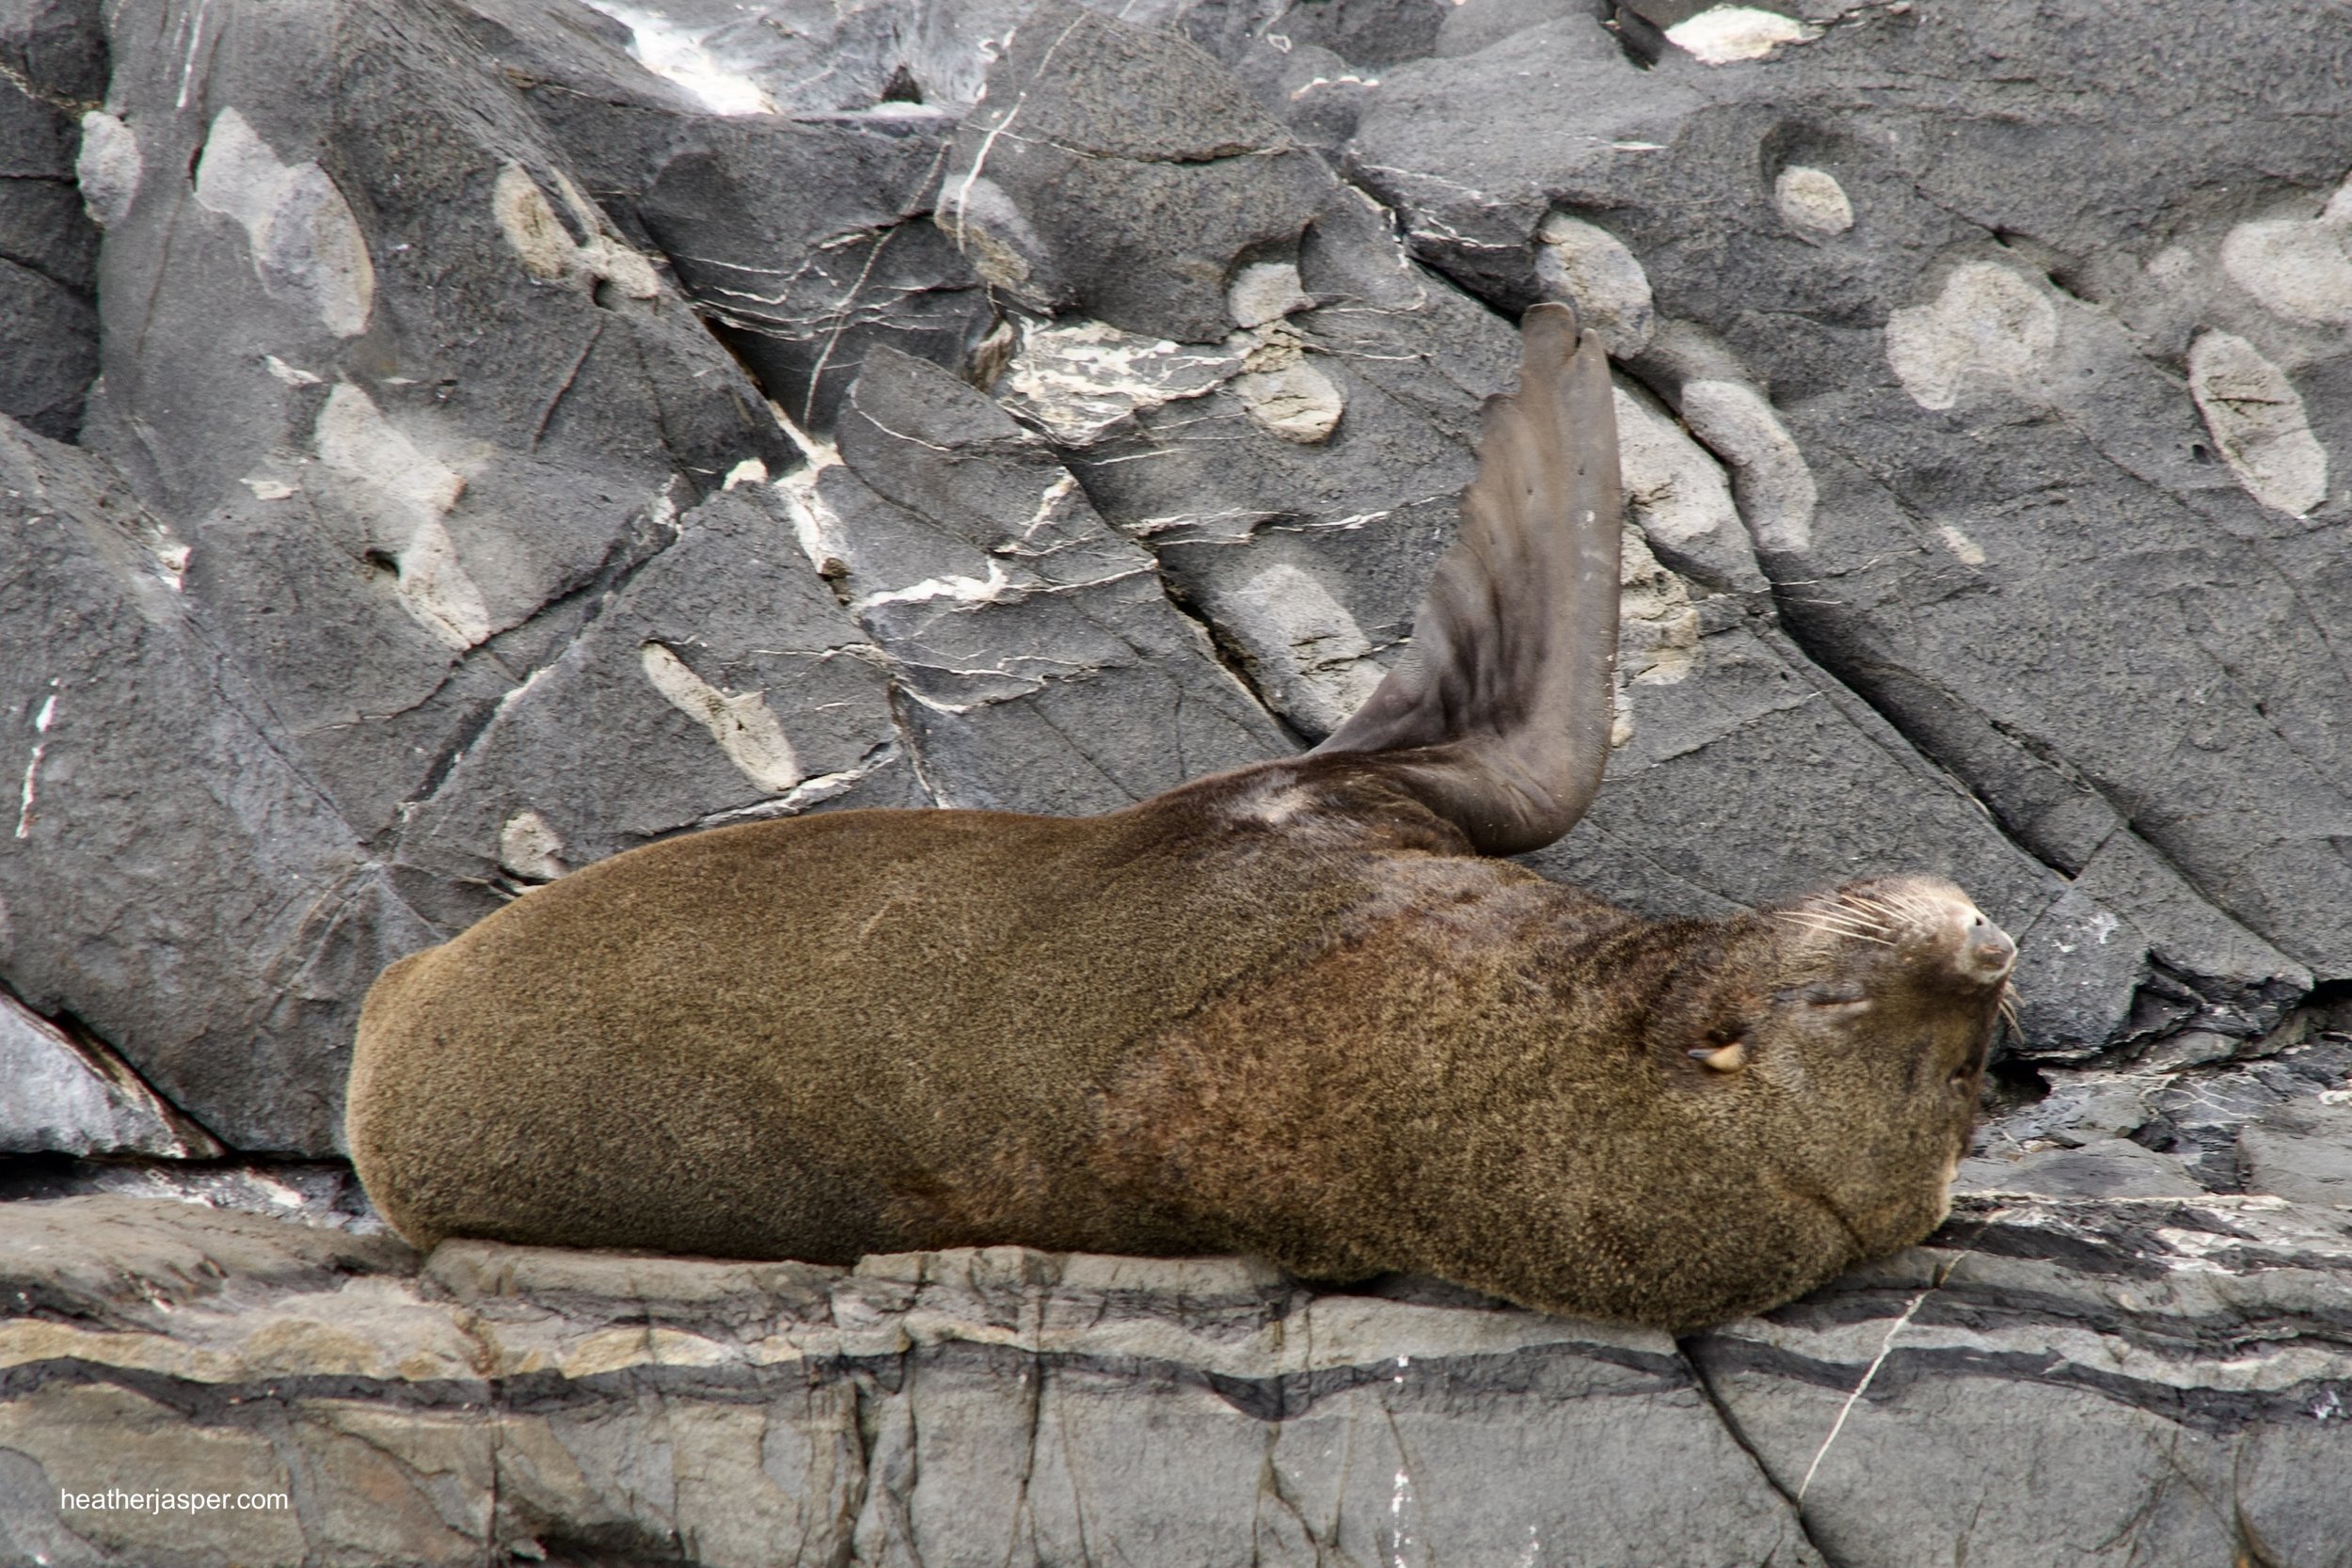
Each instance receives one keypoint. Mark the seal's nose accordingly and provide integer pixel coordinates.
(1988, 954)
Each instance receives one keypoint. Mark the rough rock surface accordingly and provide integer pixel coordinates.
(447, 442)
(2050, 1382)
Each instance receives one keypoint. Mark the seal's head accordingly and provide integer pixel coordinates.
(1852, 1026)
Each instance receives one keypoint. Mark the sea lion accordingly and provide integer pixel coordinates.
(1295, 1009)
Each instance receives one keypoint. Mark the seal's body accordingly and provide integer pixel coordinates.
(1293, 1009)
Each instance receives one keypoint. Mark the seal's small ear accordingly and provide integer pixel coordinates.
(1500, 722)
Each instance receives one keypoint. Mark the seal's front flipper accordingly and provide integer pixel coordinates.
(1499, 720)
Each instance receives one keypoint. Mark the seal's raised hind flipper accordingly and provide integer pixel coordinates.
(1499, 720)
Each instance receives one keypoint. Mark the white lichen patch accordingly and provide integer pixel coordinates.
(545, 248)
(2300, 269)
(529, 848)
(305, 243)
(267, 489)
(961, 590)
(1079, 379)
(1672, 488)
(1967, 551)
(1591, 269)
(527, 220)
(752, 471)
(107, 168)
(816, 527)
(1312, 662)
(746, 729)
(401, 495)
(291, 374)
(1657, 630)
(1812, 200)
(1723, 35)
(1988, 321)
(2257, 421)
(1768, 474)
(1285, 395)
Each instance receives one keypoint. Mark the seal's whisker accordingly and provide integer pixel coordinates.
(1835, 929)
(1877, 919)
(1843, 916)
(1846, 927)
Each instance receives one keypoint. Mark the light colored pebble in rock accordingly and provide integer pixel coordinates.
(1285, 395)
(1591, 269)
(2256, 418)
(1965, 550)
(107, 168)
(1313, 661)
(305, 243)
(1266, 291)
(746, 729)
(1672, 488)
(531, 850)
(2300, 269)
(1657, 630)
(401, 494)
(1768, 474)
(1987, 321)
(1811, 199)
(1723, 34)
(993, 234)
(527, 220)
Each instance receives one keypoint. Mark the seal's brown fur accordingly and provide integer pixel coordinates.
(1285, 1010)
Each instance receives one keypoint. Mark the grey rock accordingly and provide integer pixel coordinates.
(808, 240)
(2301, 1150)
(68, 1094)
(1042, 664)
(53, 65)
(2103, 1168)
(1122, 173)
(170, 878)
(2199, 1115)
(58, 47)
(2045, 1379)
(743, 689)
(1473, 25)
(332, 418)
(1369, 33)
(50, 335)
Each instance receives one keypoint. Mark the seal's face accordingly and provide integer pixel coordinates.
(1861, 1033)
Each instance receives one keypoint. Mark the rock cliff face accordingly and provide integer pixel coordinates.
(447, 442)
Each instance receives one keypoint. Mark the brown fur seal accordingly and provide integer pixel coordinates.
(1293, 1009)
